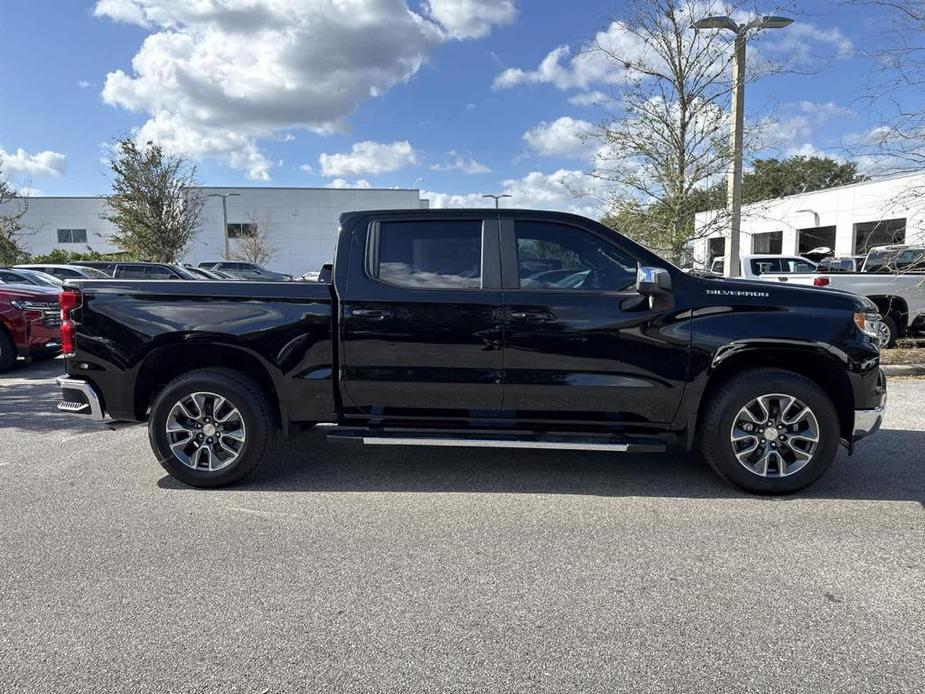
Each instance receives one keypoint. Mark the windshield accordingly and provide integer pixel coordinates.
(44, 278)
(93, 273)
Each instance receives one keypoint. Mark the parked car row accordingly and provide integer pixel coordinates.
(30, 322)
(99, 269)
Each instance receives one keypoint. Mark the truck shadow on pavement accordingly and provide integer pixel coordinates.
(29, 399)
(893, 468)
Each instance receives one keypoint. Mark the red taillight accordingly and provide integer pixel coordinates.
(820, 281)
(68, 300)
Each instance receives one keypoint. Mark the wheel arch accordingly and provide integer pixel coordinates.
(169, 361)
(815, 364)
(895, 307)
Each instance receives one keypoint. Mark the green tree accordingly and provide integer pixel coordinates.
(59, 256)
(155, 204)
(13, 207)
(776, 178)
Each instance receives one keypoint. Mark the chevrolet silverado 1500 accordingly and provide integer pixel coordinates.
(483, 328)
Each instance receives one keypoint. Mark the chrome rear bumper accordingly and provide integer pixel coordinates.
(79, 397)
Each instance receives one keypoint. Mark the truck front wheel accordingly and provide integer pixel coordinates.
(770, 431)
(211, 427)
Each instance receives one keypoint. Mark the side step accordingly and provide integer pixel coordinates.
(456, 439)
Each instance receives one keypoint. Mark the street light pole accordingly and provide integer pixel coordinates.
(734, 179)
(224, 197)
(497, 199)
(734, 182)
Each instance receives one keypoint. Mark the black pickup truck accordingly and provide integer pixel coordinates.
(507, 329)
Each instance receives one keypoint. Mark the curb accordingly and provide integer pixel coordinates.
(903, 369)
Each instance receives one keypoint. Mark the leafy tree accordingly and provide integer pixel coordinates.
(59, 256)
(775, 178)
(671, 141)
(13, 207)
(770, 179)
(155, 204)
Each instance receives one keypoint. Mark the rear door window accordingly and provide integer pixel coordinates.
(430, 254)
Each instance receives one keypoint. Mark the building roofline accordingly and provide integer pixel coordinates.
(247, 188)
(872, 181)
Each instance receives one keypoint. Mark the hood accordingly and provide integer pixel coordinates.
(751, 291)
(29, 292)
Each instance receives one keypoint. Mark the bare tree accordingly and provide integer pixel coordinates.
(670, 145)
(252, 243)
(156, 203)
(13, 207)
(896, 142)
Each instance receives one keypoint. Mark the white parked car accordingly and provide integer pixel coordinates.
(754, 266)
(899, 295)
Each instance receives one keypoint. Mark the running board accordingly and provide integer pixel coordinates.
(611, 444)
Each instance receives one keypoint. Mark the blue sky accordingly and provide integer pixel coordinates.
(363, 92)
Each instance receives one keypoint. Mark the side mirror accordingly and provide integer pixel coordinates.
(655, 283)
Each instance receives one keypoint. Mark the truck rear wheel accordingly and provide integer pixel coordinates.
(211, 427)
(770, 431)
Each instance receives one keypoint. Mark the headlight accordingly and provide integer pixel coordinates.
(869, 324)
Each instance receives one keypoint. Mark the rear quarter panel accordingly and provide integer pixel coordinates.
(286, 326)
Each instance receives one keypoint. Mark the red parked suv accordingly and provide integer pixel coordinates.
(30, 323)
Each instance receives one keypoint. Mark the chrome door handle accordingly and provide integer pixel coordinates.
(536, 316)
(372, 313)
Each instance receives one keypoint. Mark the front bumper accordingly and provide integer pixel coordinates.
(868, 421)
(80, 398)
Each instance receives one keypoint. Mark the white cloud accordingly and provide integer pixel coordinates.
(824, 112)
(565, 190)
(84, 84)
(30, 192)
(565, 136)
(801, 41)
(369, 158)
(307, 168)
(458, 162)
(801, 44)
(471, 19)
(343, 183)
(594, 98)
(218, 76)
(20, 162)
(580, 69)
(126, 11)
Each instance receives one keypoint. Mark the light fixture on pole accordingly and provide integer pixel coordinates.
(734, 184)
(497, 199)
(224, 197)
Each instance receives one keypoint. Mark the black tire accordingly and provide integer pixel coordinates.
(241, 391)
(7, 351)
(723, 408)
(894, 332)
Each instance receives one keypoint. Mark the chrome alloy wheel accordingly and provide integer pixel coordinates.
(205, 431)
(775, 435)
(883, 335)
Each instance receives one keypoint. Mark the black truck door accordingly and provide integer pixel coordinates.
(421, 319)
(580, 342)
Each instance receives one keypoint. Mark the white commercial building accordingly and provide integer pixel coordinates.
(849, 219)
(301, 223)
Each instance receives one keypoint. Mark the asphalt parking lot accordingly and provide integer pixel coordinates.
(340, 569)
